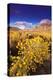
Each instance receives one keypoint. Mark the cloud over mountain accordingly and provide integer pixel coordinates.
(28, 25)
(23, 25)
(45, 22)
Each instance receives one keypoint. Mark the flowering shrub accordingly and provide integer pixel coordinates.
(31, 50)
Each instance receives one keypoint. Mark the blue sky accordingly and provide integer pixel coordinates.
(28, 13)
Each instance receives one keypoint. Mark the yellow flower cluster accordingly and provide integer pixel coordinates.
(30, 51)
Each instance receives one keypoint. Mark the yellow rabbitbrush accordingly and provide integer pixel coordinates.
(30, 52)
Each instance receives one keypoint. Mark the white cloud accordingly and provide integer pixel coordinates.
(20, 26)
(45, 21)
(23, 25)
